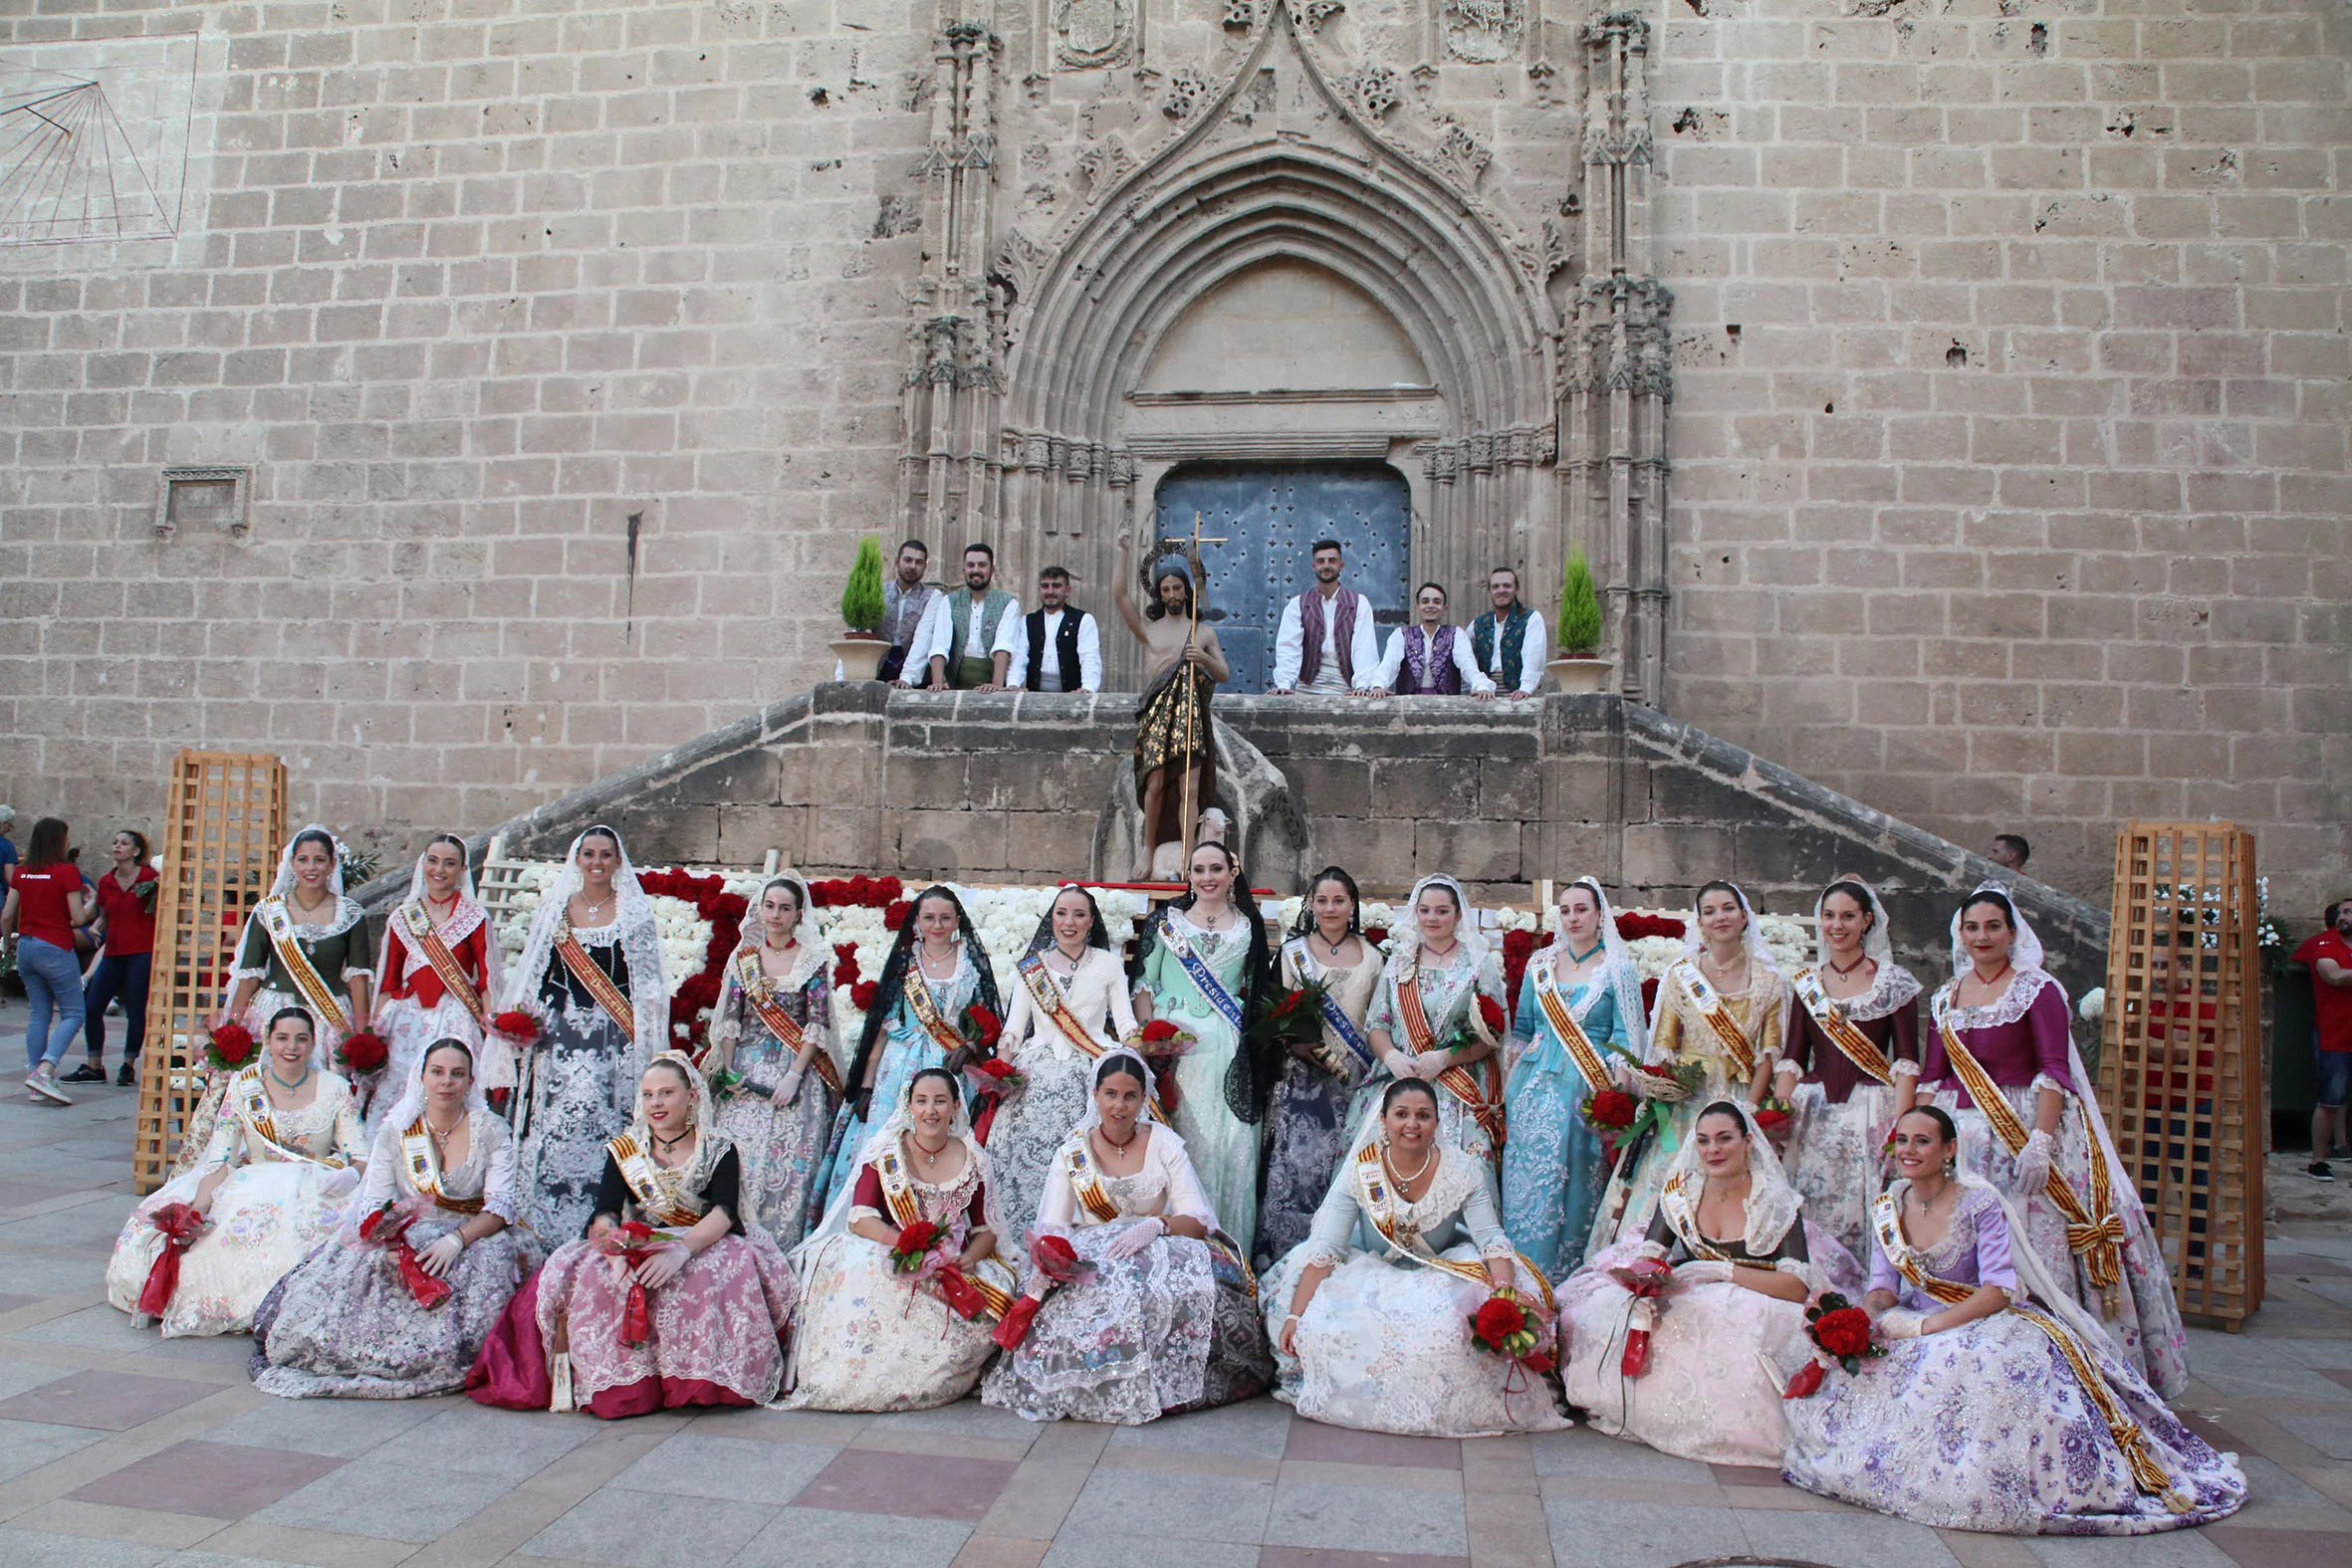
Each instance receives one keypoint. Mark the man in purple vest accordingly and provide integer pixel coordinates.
(1431, 658)
(1325, 644)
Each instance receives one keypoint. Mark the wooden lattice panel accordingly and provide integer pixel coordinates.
(2180, 1074)
(221, 824)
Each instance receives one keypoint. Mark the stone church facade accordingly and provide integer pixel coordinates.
(470, 398)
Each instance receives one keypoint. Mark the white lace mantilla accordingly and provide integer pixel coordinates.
(2024, 986)
(1892, 990)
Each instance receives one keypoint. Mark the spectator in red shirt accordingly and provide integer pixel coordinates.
(2329, 955)
(45, 904)
(125, 927)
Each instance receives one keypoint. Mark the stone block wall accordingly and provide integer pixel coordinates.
(1009, 789)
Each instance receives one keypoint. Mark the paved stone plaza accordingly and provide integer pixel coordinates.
(120, 1450)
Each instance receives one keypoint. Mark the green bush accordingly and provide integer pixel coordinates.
(1579, 607)
(862, 601)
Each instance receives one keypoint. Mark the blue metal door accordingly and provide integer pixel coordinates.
(1269, 518)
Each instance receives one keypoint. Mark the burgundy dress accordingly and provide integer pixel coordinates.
(1840, 1116)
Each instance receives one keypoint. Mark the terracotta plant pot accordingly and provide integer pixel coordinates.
(1575, 676)
(861, 654)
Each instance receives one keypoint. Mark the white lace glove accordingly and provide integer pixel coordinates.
(1703, 1272)
(438, 1256)
(1137, 1237)
(788, 1089)
(2034, 1164)
(340, 1182)
(1897, 1323)
(664, 1265)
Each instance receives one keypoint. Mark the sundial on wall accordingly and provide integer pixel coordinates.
(94, 140)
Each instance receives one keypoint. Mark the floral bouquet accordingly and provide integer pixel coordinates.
(230, 1048)
(364, 1055)
(1646, 1279)
(388, 1227)
(981, 1028)
(518, 1025)
(180, 1224)
(1296, 1019)
(1773, 1117)
(1609, 1112)
(632, 1241)
(915, 1244)
(1161, 1041)
(997, 1076)
(1507, 1326)
(1484, 1024)
(1842, 1333)
(1059, 1262)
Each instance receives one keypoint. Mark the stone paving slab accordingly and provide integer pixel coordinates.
(118, 1450)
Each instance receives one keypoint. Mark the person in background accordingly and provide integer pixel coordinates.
(2011, 851)
(2329, 956)
(1060, 645)
(968, 637)
(85, 939)
(8, 856)
(1324, 643)
(904, 599)
(1507, 640)
(125, 928)
(1430, 658)
(44, 903)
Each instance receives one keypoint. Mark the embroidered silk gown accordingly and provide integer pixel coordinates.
(1173, 1327)
(2022, 1041)
(906, 1049)
(1991, 1426)
(1385, 1346)
(782, 1148)
(1034, 1120)
(288, 1178)
(1448, 993)
(1840, 1115)
(339, 949)
(871, 1338)
(1553, 1166)
(582, 1087)
(417, 1008)
(1223, 1147)
(343, 1324)
(1308, 1130)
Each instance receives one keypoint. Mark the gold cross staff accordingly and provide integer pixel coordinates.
(1191, 636)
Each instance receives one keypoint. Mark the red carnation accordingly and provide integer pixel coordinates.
(1518, 943)
(1159, 1031)
(895, 913)
(517, 1024)
(1844, 1332)
(864, 995)
(363, 1053)
(846, 972)
(1376, 933)
(845, 950)
(1058, 1261)
(1498, 1320)
(1771, 1120)
(913, 1244)
(1649, 993)
(888, 890)
(996, 1068)
(1491, 1012)
(231, 1048)
(1610, 1110)
(861, 888)
(982, 1027)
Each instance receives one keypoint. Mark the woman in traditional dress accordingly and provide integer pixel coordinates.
(2002, 1063)
(1581, 1017)
(1730, 1251)
(272, 1182)
(1850, 1065)
(1721, 1005)
(1201, 963)
(1999, 1404)
(439, 975)
(880, 1333)
(936, 971)
(689, 1308)
(1369, 1313)
(431, 1224)
(1070, 1010)
(302, 943)
(1307, 1122)
(592, 968)
(1442, 987)
(1161, 1314)
(773, 1070)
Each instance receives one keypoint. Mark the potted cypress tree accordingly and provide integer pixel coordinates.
(1579, 666)
(861, 647)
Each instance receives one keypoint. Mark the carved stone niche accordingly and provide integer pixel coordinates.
(1485, 32)
(1093, 34)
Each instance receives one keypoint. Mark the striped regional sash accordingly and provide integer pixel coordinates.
(925, 1006)
(898, 1193)
(424, 1170)
(1380, 1204)
(2094, 1234)
(1831, 1019)
(259, 1116)
(597, 983)
(1085, 1179)
(661, 1195)
(277, 925)
(1563, 1023)
(758, 990)
(1887, 1221)
(1046, 996)
(1483, 1100)
(1710, 1006)
(419, 927)
(1681, 1211)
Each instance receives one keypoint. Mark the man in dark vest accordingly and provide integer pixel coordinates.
(1507, 640)
(1061, 646)
(1430, 658)
(904, 599)
(968, 637)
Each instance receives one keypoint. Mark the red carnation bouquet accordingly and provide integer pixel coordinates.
(180, 1224)
(1058, 1261)
(1646, 1279)
(1773, 1117)
(981, 1028)
(1162, 1040)
(632, 1241)
(388, 1227)
(1296, 1019)
(1842, 1333)
(517, 1025)
(364, 1055)
(915, 1243)
(1609, 1112)
(1507, 1326)
(230, 1048)
(1484, 1024)
(997, 1076)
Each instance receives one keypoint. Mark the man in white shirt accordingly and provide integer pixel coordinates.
(1507, 640)
(968, 637)
(1431, 658)
(1325, 644)
(1061, 646)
